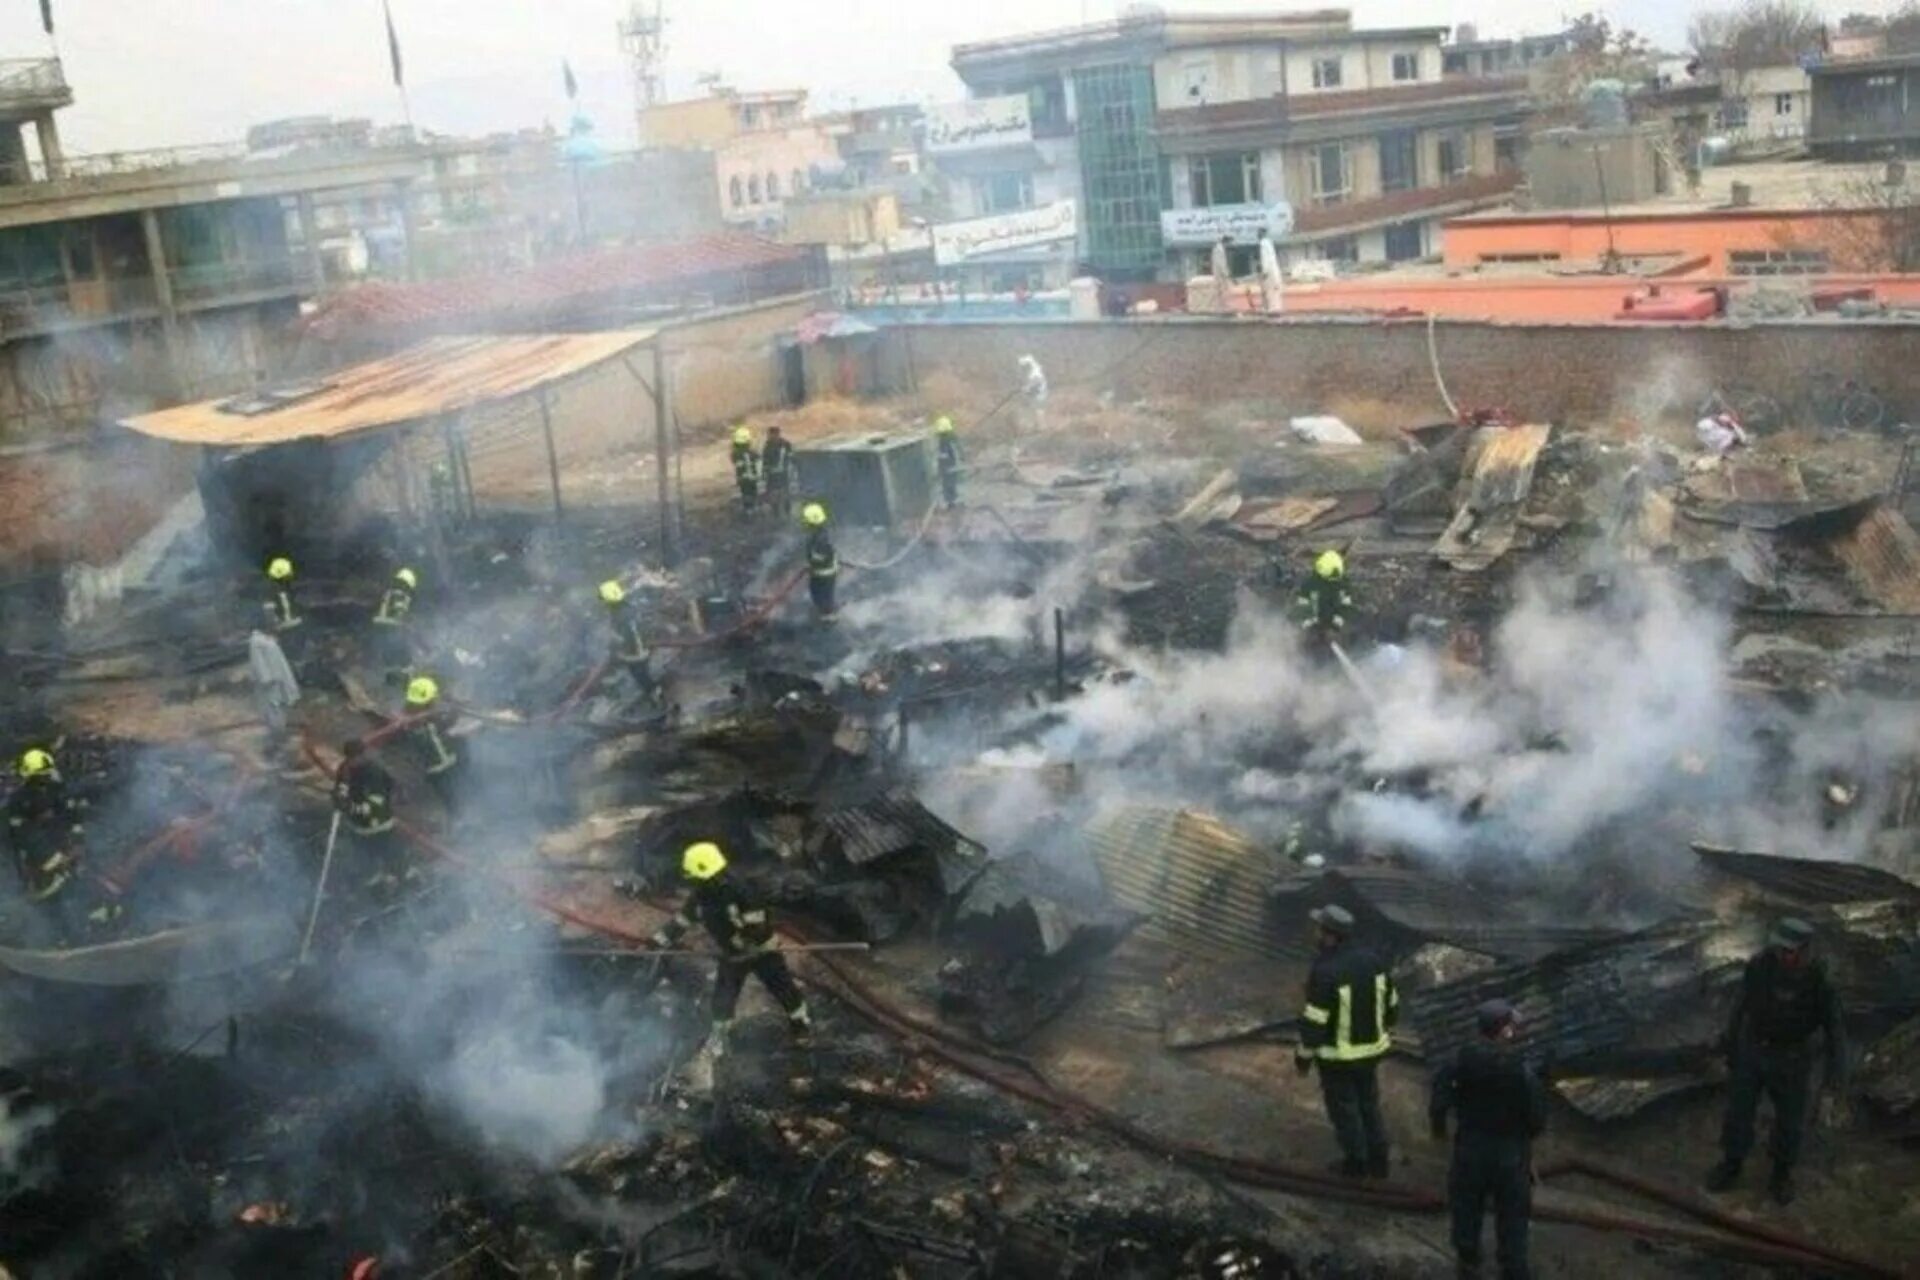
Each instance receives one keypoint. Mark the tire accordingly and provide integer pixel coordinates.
(1757, 411)
(1862, 411)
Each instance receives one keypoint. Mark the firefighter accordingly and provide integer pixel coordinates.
(823, 562)
(43, 827)
(629, 646)
(363, 796)
(947, 452)
(1786, 998)
(746, 470)
(1324, 601)
(1345, 1029)
(1502, 1108)
(393, 622)
(738, 926)
(776, 464)
(432, 736)
(283, 616)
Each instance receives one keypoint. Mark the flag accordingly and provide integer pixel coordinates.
(393, 47)
(566, 72)
(46, 15)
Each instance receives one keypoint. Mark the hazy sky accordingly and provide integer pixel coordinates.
(208, 68)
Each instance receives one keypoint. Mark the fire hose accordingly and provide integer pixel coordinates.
(1730, 1236)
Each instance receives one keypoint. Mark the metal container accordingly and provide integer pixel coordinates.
(871, 479)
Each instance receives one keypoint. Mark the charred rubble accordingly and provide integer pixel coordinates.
(1077, 820)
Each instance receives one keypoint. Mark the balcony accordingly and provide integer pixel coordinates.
(104, 300)
(1281, 114)
(29, 86)
(1456, 196)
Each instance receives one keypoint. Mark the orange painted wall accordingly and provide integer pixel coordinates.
(1849, 237)
(1537, 300)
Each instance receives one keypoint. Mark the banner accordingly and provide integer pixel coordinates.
(1190, 228)
(957, 242)
(979, 123)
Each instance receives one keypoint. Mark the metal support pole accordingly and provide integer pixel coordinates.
(553, 455)
(1059, 655)
(663, 457)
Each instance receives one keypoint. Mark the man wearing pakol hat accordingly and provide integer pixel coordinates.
(1345, 1029)
(1502, 1108)
(1786, 997)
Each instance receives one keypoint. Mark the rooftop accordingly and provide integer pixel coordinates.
(1772, 186)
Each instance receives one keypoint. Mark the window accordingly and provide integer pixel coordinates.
(1339, 249)
(1233, 178)
(735, 192)
(1196, 82)
(1047, 104)
(1777, 262)
(773, 185)
(1399, 161)
(1733, 114)
(1406, 66)
(1783, 104)
(1405, 242)
(1004, 192)
(80, 253)
(1456, 156)
(799, 184)
(1453, 64)
(1326, 73)
(1519, 257)
(753, 189)
(1332, 175)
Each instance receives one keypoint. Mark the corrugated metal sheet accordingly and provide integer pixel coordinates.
(895, 822)
(436, 377)
(1882, 556)
(1809, 880)
(1434, 908)
(1576, 1003)
(1201, 882)
(1620, 1097)
(1484, 526)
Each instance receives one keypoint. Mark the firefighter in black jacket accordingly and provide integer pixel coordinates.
(1324, 603)
(363, 796)
(1502, 1108)
(823, 562)
(393, 622)
(629, 646)
(1345, 1029)
(43, 828)
(284, 622)
(1786, 997)
(746, 470)
(776, 466)
(947, 453)
(738, 925)
(432, 738)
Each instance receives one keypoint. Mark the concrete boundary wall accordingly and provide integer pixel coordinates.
(1556, 373)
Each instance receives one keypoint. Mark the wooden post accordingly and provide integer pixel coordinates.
(663, 456)
(163, 298)
(553, 456)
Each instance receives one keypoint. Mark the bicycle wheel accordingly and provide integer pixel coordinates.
(1862, 410)
(1756, 410)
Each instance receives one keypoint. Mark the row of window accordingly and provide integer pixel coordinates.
(1234, 177)
(1403, 242)
(1328, 72)
(752, 190)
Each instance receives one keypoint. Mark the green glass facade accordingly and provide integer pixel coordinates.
(1122, 180)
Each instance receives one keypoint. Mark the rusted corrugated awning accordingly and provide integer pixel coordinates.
(438, 376)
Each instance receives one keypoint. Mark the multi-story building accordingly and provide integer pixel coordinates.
(1166, 131)
(1468, 55)
(763, 146)
(134, 279)
(1865, 107)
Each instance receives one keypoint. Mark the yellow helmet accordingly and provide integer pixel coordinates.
(742, 436)
(408, 579)
(943, 425)
(813, 515)
(279, 568)
(1331, 565)
(35, 762)
(422, 691)
(703, 861)
(612, 592)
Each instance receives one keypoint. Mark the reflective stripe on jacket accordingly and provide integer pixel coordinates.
(822, 560)
(1350, 1009)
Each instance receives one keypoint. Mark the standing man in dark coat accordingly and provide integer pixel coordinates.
(1786, 998)
(1345, 1029)
(1502, 1108)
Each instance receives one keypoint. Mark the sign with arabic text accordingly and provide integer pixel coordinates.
(1187, 228)
(979, 123)
(957, 242)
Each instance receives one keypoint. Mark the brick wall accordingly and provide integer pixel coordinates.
(1580, 373)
